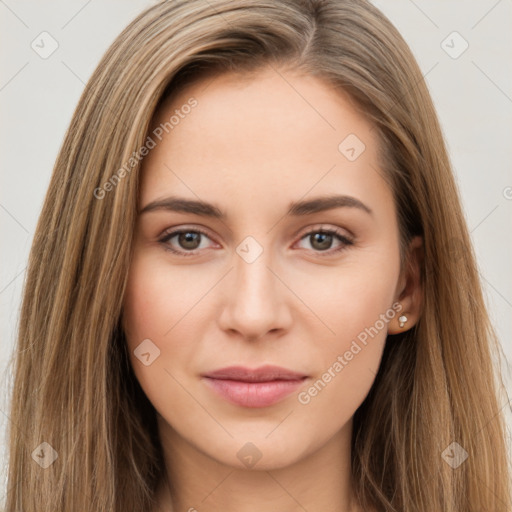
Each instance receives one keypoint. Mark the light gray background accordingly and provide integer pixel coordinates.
(472, 93)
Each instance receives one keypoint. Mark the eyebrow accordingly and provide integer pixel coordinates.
(296, 209)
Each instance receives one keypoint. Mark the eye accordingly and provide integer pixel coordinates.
(188, 240)
(321, 240)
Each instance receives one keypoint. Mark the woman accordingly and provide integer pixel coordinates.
(243, 292)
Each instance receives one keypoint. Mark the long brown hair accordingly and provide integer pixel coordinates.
(74, 388)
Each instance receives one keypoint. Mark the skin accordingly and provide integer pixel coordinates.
(252, 147)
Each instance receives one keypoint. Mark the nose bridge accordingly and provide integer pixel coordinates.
(255, 285)
(255, 302)
(253, 277)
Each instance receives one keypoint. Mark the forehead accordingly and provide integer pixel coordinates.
(266, 103)
(276, 133)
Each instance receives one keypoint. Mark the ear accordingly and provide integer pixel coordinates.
(409, 292)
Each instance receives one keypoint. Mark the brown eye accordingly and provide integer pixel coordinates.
(189, 240)
(322, 240)
(184, 242)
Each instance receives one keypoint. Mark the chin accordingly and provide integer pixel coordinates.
(260, 454)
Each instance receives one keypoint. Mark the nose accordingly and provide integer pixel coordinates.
(255, 300)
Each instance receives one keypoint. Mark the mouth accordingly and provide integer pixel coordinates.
(260, 387)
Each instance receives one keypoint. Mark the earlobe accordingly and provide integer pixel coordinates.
(410, 292)
(401, 323)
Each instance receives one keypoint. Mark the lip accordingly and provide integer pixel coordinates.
(259, 387)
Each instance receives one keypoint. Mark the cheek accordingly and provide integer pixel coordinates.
(352, 296)
(157, 298)
(348, 364)
(355, 304)
(155, 307)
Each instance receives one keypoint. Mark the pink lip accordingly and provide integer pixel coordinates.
(260, 387)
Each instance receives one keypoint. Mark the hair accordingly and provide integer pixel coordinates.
(73, 384)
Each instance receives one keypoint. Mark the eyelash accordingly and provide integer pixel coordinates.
(337, 234)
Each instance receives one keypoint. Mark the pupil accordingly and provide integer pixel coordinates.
(189, 240)
(324, 239)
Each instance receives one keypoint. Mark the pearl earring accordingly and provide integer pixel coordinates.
(402, 319)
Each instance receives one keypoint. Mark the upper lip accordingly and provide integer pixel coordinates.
(262, 374)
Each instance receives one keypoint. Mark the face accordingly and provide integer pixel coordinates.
(268, 275)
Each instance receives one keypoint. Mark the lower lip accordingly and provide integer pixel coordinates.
(254, 394)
